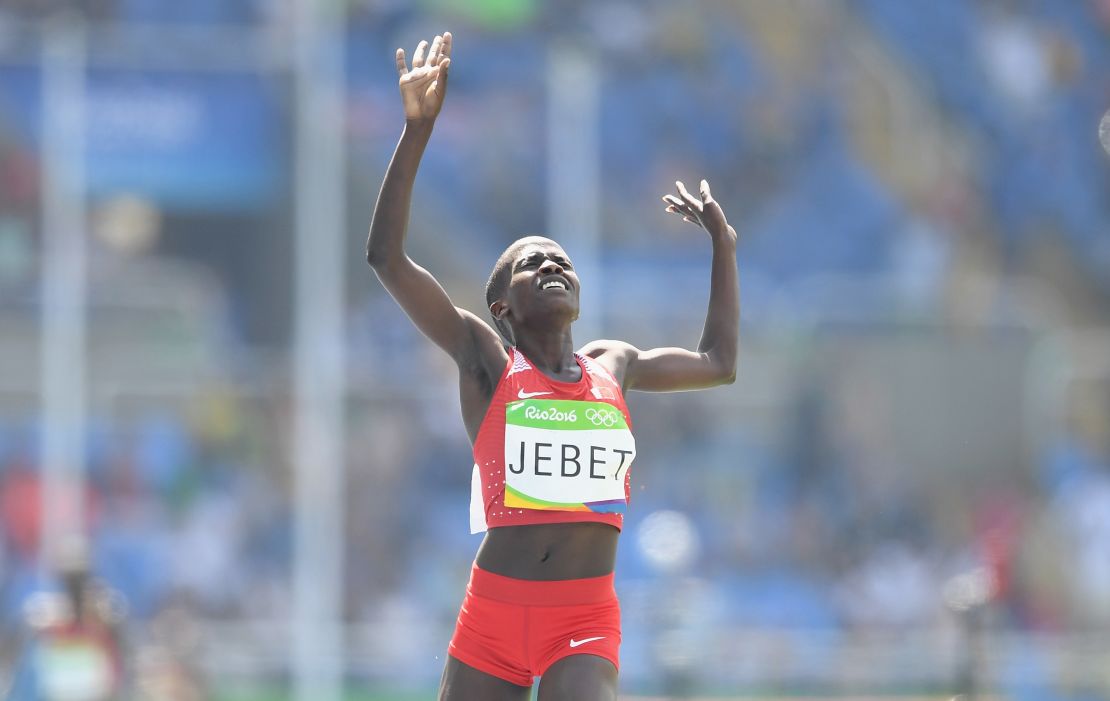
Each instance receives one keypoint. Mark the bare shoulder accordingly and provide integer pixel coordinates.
(615, 356)
(608, 347)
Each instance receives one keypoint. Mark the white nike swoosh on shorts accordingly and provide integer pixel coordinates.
(583, 641)
(525, 395)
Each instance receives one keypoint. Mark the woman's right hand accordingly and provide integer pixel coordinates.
(424, 86)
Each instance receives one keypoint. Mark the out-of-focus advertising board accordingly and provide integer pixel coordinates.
(193, 141)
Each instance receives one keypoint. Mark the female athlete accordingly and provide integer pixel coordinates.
(550, 429)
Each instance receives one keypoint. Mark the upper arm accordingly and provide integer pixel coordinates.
(659, 369)
(462, 334)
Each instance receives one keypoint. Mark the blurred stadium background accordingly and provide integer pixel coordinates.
(207, 398)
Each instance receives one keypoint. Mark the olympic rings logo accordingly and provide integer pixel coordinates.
(602, 417)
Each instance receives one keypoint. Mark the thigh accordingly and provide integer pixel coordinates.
(461, 682)
(579, 678)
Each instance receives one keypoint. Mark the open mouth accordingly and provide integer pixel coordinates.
(555, 284)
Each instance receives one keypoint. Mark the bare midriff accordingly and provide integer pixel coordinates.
(550, 551)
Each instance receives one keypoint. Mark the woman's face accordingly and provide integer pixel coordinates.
(543, 285)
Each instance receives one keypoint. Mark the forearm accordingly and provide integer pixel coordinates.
(720, 335)
(385, 243)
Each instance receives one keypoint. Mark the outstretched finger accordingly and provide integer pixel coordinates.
(418, 55)
(402, 69)
(676, 206)
(675, 202)
(686, 196)
(433, 54)
(706, 196)
(445, 47)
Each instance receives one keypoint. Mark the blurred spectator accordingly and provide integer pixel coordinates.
(74, 651)
(1077, 469)
(20, 508)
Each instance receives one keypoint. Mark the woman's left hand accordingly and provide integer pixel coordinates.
(704, 212)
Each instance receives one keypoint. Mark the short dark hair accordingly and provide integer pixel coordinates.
(496, 287)
(498, 283)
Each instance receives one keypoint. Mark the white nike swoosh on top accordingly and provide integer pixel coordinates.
(576, 643)
(525, 395)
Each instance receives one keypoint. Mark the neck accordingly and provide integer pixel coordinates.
(550, 349)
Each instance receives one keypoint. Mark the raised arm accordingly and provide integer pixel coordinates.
(714, 362)
(459, 332)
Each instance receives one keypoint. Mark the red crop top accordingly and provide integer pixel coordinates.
(550, 451)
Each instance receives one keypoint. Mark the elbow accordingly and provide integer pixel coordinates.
(379, 252)
(373, 258)
(724, 372)
(722, 367)
(378, 261)
(728, 370)
(384, 265)
(729, 377)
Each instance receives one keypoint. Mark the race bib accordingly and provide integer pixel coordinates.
(566, 455)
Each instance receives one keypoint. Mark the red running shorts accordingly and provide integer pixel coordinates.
(515, 629)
